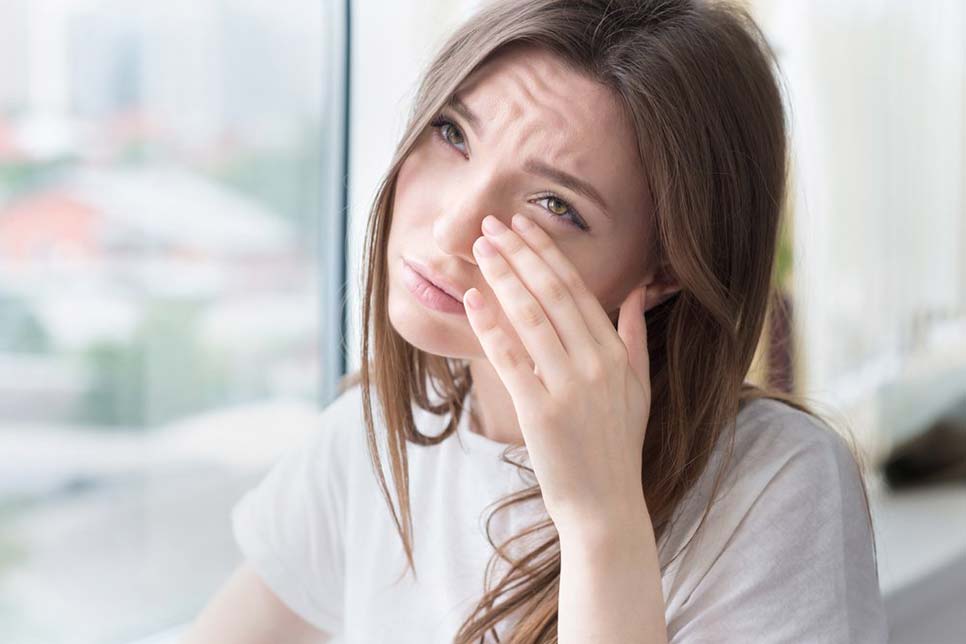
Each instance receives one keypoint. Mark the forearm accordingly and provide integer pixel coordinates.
(610, 584)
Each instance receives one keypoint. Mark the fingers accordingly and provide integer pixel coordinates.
(508, 357)
(540, 308)
(632, 329)
(594, 317)
(537, 280)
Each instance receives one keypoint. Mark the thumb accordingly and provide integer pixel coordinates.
(632, 330)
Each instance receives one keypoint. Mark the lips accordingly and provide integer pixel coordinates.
(440, 282)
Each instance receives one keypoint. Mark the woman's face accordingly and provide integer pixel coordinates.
(522, 114)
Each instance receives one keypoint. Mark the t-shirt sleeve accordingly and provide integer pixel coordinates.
(789, 557)
(290, 527)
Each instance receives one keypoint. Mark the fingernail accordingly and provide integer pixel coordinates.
(474, 299)
(493, 225)
(484, 247)
(520, 222)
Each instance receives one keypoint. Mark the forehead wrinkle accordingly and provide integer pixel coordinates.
(542, 134)
(551, 119)
(520, 79)
(533, 139)
(560, 130)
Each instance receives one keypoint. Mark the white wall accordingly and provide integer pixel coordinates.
(876, 90)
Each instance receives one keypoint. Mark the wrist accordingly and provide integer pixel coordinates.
(607, 527)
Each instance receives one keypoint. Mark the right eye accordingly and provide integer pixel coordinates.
(447, 131)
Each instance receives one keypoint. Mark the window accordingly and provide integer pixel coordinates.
(171, 269)
(878, 114)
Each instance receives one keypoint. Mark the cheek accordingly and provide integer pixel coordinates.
(413, 194)
(585, 260)
(606, 280)
(404, 178)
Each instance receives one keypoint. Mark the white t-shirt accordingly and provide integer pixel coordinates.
(784, 556)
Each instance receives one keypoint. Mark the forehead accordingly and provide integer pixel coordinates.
(532, 104)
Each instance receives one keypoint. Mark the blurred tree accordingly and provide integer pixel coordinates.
(284, 179)
(165, 373)
(20, 329)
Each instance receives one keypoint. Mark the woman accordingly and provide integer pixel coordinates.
(568, 167)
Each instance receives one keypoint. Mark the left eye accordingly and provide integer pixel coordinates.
(562, 211)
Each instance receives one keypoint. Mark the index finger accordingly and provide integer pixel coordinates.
(600, 326)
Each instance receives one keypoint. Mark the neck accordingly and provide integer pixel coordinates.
(492, 413)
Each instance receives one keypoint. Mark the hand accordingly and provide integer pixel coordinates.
(581, 391)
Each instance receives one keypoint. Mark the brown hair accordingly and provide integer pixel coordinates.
(697, 80)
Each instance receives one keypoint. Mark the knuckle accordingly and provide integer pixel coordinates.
(511, 357)
(555, 291)
(488, 326)
(530, 314)
(595, 371)
(573, 282)
(501, 272)
(616, 352)
(514, 245)
(569, 389)
(546, 416)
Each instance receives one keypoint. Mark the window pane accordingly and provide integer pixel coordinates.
(163, 178)
(878, 112)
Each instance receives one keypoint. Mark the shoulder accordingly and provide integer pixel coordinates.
(774, 438)
(773, 422)
(334, 435)
(787, 526)
(784, 466)
(342, 423)
(346, 406)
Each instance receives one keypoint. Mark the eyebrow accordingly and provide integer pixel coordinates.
(463, 110)
(535, 166)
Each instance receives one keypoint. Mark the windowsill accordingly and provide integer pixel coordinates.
(919, 532)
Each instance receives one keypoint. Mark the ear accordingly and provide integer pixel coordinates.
(661, 286)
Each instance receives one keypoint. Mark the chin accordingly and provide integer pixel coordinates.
(435, 333)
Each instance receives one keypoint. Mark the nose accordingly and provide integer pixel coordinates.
(460, 218)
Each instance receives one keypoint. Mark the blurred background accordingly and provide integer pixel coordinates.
(183, 191)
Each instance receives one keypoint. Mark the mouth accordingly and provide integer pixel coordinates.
(430, 290)
(438, 281)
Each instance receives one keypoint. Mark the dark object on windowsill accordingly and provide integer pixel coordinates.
(937, 455)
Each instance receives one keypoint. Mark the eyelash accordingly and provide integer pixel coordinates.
(576, 221)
